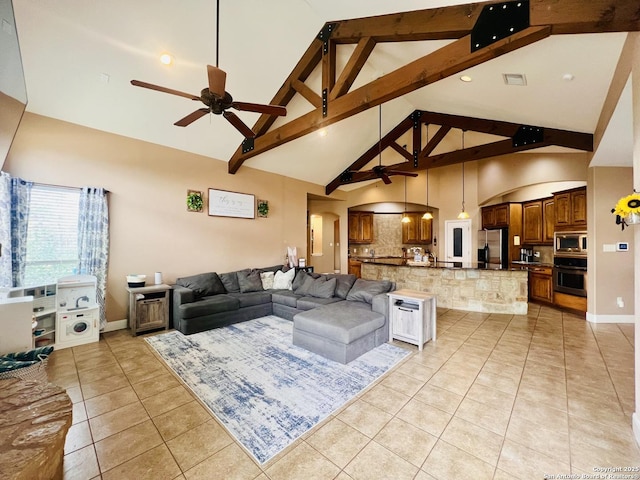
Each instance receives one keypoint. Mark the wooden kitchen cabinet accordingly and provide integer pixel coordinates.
(571, 209)
(418, 231)
(541, 284)
(532, 222)
(538, 221)
(498, 216)
(355, 268)
(361, 227)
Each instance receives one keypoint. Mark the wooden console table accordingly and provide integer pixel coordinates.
(148, 308)
(34, 420)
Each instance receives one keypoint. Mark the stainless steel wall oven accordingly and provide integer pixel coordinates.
(570, 275)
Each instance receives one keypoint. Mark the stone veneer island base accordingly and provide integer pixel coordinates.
(471, 289)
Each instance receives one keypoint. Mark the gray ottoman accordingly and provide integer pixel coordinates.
(340, 332)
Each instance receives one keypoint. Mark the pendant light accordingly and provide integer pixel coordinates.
(427, 215)
(405, 218)
(463, 215)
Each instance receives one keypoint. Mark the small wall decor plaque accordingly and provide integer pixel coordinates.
(195, 201)
(231, 204)
(263, 208)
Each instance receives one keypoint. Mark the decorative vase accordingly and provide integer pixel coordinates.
(632, 218)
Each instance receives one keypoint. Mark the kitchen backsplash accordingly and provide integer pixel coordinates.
(387, 236)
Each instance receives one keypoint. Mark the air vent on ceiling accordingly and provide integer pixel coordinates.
(514, 79)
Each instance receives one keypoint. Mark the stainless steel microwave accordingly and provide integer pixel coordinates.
(570, 243)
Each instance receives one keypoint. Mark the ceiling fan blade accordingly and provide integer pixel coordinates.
(239, 124)
(386, 179)
(192, 117)
(151, 86)
(403, 173)
(260, 108)
(217, 80)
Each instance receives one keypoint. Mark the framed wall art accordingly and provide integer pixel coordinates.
(223, 203)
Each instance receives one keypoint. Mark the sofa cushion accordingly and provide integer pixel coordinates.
(230, 281)
(307, 303)
(249, 281)
(252, 298)
(342, 322)
(285, 297)
(203, 284)
(365, 290)
(283, 280)
(209, 306)
(305, 286)
(301, 276)
(273, 269)
(344, 283)
(267, 280)
(323, 288)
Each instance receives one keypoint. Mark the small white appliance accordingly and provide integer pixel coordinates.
(77, 316)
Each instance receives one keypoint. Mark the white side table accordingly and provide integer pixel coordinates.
(412, 317)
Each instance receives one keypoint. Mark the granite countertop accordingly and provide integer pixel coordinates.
(532, 264)
(402, 262)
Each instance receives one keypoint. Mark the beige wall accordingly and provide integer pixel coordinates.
(150, 228)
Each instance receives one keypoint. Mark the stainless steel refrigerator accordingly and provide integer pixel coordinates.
(493, 248)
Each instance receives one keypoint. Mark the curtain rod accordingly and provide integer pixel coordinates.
(40, 184)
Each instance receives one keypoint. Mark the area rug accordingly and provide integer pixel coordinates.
(266, 391)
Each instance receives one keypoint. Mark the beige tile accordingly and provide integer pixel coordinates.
(525, 463)
(507, 384)
(612, 437)
(473, 439)
(78, 436)
(484, 415)
(439, 398)
(154, 464)
(417, 370)
(485, 394)
(386, 399)
(132, 363)
(179, 420)
(547, 396)
(430, 419)
(377, 462)
(155, 385)
(100, 359)
(75, 394)
(365, 418)
(64, 381)
(81, 464)
(168, 400)
(78, 412)
(125, 445)
(117, 420)
(302, 462)
(448, 462)
(110, 401)
(337, 441)
(199, 443)
(411, 443)
(105, 385)
(454, 383)
(554, 444)
(146, 372)
(549, 418)
(231, 463)
(402, 383)
(99, 373)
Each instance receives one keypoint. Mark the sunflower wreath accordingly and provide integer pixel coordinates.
(627, 210)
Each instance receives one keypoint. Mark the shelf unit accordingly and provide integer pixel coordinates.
(44, 312)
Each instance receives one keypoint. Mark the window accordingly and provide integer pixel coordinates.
(52, 236)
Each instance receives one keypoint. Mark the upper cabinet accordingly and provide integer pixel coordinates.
(361, 227)
(538, 219)
(501, 215)
(418, 231)
(571, 209)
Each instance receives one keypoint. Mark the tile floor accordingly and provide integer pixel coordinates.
(496, 397)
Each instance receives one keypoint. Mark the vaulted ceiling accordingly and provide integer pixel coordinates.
(329, 67)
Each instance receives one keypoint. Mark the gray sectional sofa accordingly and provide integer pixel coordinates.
(334, 315)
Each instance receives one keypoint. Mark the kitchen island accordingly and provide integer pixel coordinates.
(456, 285)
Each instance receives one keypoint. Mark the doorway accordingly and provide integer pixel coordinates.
(457, 240)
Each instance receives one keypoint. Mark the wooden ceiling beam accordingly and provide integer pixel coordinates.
(328, 68)
(352, 68)
(402, 151)
(435, 141)
(446, 61)
(578, 16)
(307, 92)
(492, 127)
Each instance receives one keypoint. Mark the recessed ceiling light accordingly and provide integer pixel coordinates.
(567, 77)
(466, 78)
(514, 79)
(166, 59)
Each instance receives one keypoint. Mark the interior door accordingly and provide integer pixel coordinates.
(457, 240)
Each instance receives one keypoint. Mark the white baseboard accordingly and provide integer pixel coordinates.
(117, 325)
(610, 318)
(636, 427)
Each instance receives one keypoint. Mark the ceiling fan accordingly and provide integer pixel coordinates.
(217, 100)
(379, 171)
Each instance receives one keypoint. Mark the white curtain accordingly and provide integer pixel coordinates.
(93, 241)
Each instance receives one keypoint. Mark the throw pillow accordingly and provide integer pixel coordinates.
(298, 279)
(203, 285)
(344, 283)
(267, 280)
(283, 279)
(307, 282)
(365, 290)
(323, 288)
(249, 281)
(230, 281)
